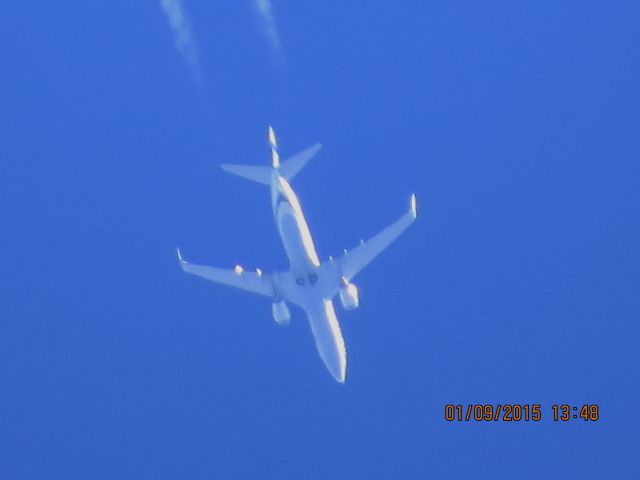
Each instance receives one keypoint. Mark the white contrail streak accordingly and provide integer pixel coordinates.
(265, 10)
(183, 37)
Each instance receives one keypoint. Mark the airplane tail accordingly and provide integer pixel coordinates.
(288, 169)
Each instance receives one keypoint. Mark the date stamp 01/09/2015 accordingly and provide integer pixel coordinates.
(515, 412)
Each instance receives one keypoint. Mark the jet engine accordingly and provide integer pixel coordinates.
(280, 312)
(349, 295)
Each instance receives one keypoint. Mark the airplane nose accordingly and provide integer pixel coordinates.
(337, 369)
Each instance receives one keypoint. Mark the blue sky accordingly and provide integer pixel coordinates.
(516, 125)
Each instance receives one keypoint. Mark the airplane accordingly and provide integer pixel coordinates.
(308, 284)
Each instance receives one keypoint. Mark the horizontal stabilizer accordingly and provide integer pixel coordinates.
(291, 166)
(287, 169)
(257, 174)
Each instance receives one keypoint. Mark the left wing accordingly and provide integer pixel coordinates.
(355, 260)
(255, 282)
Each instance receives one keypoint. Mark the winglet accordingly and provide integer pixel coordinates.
(412, 206)
(180, 258)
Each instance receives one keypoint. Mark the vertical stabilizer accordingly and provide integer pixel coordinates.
(275, 157)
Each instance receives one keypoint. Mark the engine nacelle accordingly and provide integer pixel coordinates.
(349, 295)
(280, 312)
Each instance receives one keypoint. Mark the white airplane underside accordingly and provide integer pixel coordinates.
(308, 283)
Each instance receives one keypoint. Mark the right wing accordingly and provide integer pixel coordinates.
(355, 260)
(255, 282)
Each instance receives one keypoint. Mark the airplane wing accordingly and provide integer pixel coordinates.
(328, 338)
(255, 282)
(355, 260)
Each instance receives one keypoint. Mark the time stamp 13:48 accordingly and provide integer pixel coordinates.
(515, 412)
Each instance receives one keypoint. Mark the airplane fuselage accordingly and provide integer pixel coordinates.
(292, 226)
(310, 290)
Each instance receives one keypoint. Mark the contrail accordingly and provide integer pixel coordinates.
(183, 38)
(265, 10)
